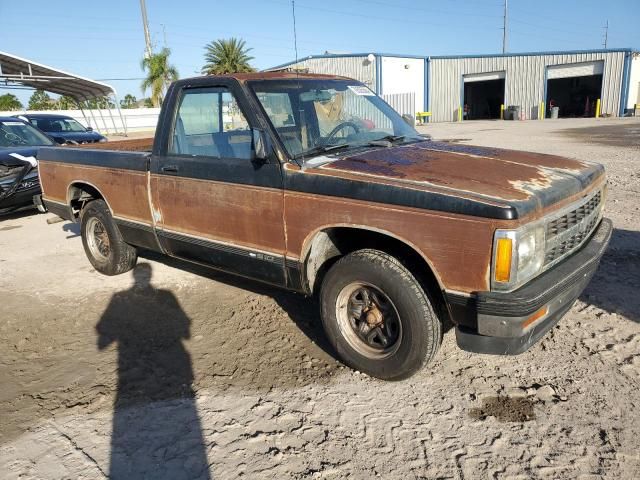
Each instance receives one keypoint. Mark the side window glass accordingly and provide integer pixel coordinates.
(209, 123)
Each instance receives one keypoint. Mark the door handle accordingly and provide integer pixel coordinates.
(170, 169)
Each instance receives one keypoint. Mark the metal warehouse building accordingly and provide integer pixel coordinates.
(477, 86)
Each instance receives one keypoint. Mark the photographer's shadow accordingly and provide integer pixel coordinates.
(156, 428)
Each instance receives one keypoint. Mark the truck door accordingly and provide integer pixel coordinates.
(213, 202)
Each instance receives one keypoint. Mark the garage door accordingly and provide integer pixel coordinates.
(481, 77)
(575, 69)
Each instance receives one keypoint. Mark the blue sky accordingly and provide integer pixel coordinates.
(104, 39)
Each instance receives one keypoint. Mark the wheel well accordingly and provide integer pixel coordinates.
(333, 243)
(80, 194)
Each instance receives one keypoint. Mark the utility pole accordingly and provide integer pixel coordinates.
(145, 24)
(606, 34)
(505, 33)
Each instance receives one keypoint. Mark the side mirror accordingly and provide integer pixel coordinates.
(89, 129)
(261, 144)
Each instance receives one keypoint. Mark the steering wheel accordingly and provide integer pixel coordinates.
(340, 127)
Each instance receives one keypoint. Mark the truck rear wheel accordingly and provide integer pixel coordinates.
(377, 316)
(102, 241)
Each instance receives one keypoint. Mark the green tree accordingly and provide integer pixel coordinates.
(226, 56)
(9, 103)
(67, 103)
(39, 100)
(148, 103)
(160, 74)
(129, 101)
(99, 102)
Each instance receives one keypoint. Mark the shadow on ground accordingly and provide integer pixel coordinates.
(303, 311)
(161, 437)
(615, 287)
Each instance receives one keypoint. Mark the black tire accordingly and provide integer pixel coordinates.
(112, 257)
(420, 330)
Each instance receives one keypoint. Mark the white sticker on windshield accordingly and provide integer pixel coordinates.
(12, 124)
(361, 90)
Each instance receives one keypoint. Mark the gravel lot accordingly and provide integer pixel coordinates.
(176, 372)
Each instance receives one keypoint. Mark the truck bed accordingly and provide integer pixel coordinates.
(128, 145)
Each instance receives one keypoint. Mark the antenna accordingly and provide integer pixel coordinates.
(606, 34)
(145, 24)
(295, 36)
(505, 33)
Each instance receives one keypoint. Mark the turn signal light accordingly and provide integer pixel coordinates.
(503, 260)
(536, 316)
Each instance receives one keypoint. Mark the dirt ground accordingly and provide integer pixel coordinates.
(176, 372)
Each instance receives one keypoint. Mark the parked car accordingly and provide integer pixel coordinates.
(19, 181)
(313, 183)
(63, 129)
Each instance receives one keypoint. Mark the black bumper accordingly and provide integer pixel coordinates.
(20, 199)
(492, 322)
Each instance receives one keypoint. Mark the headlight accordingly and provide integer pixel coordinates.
(518, 256)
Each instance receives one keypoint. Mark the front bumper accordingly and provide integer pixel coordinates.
(20, 199)
(505, 323)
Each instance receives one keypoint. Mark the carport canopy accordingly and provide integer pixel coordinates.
(20, 72)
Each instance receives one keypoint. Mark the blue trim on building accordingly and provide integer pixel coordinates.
(378, 70)
(626, 74)
(544, 95)
(528, 54)
(425, 99)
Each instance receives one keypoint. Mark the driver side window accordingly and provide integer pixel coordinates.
(210, 123)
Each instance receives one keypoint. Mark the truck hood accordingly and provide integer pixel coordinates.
(519, 183)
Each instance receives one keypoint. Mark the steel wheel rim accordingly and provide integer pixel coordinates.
(98, 239)
(368, 320)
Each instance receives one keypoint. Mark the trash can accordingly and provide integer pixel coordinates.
(554, 112)
(512, 112)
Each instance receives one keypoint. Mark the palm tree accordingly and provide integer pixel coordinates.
(226, 56)
(159, 75)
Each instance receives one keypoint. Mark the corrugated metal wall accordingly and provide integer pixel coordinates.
(403, 103)
(352, 67)
(524, 81)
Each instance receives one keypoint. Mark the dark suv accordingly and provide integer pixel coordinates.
(19, 182)
(63, 129)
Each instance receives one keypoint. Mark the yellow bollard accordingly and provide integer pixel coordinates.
(598, 108)
(541, 112)
(502, 111)
(459, 114)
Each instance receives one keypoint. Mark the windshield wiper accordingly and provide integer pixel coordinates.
(323, 149)
(392, 138)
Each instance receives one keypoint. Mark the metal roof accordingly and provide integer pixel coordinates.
(440, 57)
(16, 71)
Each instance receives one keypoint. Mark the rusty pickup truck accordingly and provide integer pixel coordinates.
(313, 183)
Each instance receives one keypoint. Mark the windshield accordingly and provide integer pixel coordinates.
(56, 125)
(19, 134)
(312, 116)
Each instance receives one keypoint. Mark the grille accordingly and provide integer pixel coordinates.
(574, 217)
(567, 232)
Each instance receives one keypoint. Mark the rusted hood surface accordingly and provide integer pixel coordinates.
(525, 181)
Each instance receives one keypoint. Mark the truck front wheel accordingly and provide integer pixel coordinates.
(377, 316)
(102, 241)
